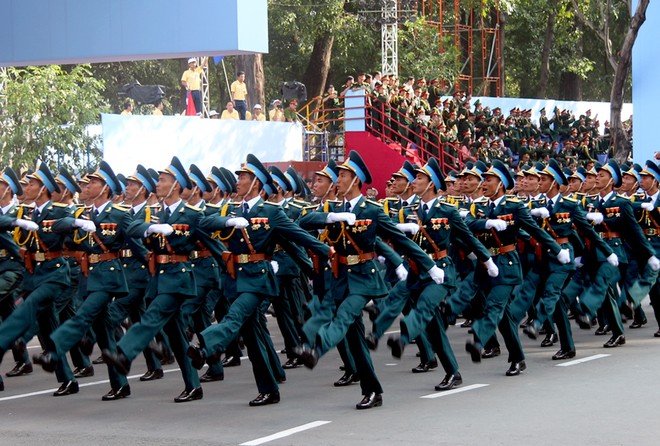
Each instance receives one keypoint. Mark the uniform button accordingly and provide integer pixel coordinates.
(112, 268)
(161, 271)
(373, 270)
(91, 268)
(326, 268)
(444, 265)
(141, 266)
(57, 265)
(548, 250)
(192, 264)
(125, 265)
(348, 242)
(242, 240)
(263, 271)
(350, 270)
(240, 269)
(510, 262)
(183, 270)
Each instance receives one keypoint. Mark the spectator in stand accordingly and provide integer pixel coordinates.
(128, 108)
(239, 94)
(372, 193)
(348, 85)
(158, 109)
(331, 104)
(214, 114)
(257, 115)
(192, 81)
(277, 114)
(376, 77)
(229, 112)
(291, 113)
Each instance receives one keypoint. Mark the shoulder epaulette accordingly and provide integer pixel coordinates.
(60, 205)
(120, 207)
(513, 199)
(311, 207)
(623, 196)
(368, 200)
(301, 203)
(572, 200)
(214, 206)
(296, 205)
(480, 200)
(447, 203)
(194, 208)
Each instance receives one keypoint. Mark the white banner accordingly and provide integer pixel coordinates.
(153, 140)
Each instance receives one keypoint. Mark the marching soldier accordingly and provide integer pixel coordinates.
(497, 222)
(102, 234)
(48, 271)
(251, 229)
(355, 276)
(172, 240)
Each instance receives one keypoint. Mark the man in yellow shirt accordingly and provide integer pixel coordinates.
(239, 94)
(128, 108)
(230, 112)
(192, 81)
(158, 110)
(277, 114)
(257, 115)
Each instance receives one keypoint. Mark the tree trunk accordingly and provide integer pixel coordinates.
(622, 146)
(544, 75)
(253, 65)
(318, 67)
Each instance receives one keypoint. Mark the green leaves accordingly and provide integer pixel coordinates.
(44, 112)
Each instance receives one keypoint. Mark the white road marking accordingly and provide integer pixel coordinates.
(453, 391)
(580, 361)
(391, 363)
(285, 433)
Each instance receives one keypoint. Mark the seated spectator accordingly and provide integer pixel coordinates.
(214, 114)
(128, 108)
(291, 113)
(229, 112)
(158, 110)
(257, 115)
(277, 114)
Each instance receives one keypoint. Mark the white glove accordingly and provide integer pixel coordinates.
(613, 260)
(498, 225)
(493, 270)
(401, 272)
(540, 213)
(463, 213)
(654, 263)
(237, 222)
(336, 217)
(85, 225)
(437, 274)
(410, 228)
(275, 265)
(564, 256)
(578, 262)
(595, 217)
(381, 260)
(472, 256)
(647, 206)
(28, 225)
(163, 229)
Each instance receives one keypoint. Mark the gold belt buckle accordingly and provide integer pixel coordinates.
(353, 259)
(39, 256)
(194, 255)
(651, 232)
(126, 253)
(243, 258)
(4, 253)
(494, 251)
(93, 258)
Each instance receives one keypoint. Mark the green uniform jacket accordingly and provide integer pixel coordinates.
(12, 261)
(51, 271)
(371, 221)
(516, 214)
(268, 227)
(172, 278)
(111, 225)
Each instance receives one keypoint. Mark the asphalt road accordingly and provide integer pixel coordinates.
(604, 400)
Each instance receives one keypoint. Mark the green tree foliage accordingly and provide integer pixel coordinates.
(44, 112)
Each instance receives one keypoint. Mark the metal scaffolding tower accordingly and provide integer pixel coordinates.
(206, 98)
(389, 36)
(468, 21)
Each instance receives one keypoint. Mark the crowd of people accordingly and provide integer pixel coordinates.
(418, 113)
(183, 263)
